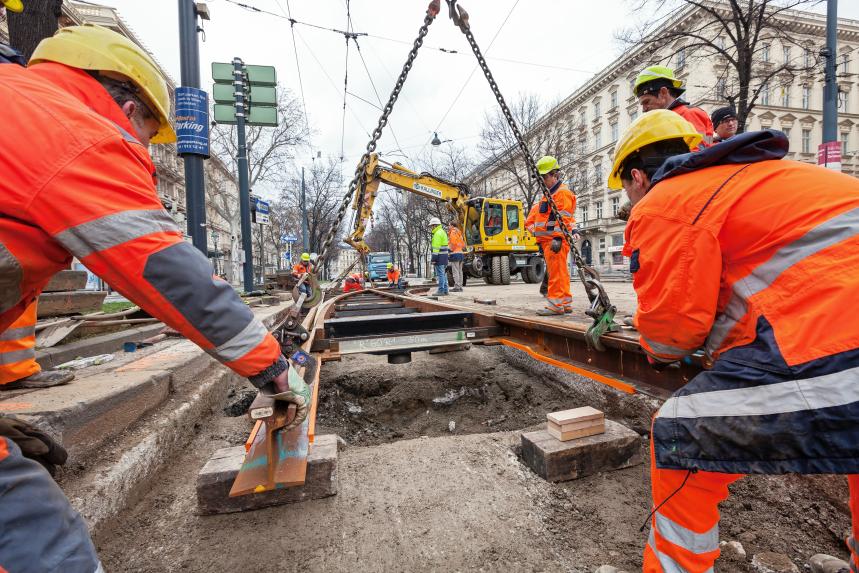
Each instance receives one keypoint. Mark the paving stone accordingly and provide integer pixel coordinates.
(769, 562)
(74, 302)
(66, 280)
(553, 460)
(216, 478)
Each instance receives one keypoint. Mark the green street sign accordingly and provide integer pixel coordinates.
(263, 116)
(261, 75)
(223, 93)
(222, 73)
(262, 95)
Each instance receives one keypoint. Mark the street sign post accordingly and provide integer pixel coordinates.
(829, 155)
(262, 210)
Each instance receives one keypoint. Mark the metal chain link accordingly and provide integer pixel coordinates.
(432, 11)
(600, 303)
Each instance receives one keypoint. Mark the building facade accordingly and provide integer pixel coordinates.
(587, 124)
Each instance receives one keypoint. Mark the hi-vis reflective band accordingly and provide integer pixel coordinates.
(686, 538)
(660, 348)
(11, 275)
(16, 356)
(830, 390)
(18, 333)
(828, 233)
(114, 229)
(242, 343)
(667, 563)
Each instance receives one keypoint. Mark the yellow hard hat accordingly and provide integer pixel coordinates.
(648, 128)
(13, 5)
(305, 256)
(96, 48)
(653, 73)
(547, 164)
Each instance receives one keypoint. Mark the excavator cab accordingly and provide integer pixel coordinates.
(496, 225)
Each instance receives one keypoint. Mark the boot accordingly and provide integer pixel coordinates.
(439, 293)
(41, 379)
(548, 312)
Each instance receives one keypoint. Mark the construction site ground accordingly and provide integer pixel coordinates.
(430, 479)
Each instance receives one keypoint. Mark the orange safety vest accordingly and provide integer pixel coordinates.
(77, 183)
(698, 118)
(541, 220)
(300, 269)
(455, 241)
(393, 275)
(755, 260)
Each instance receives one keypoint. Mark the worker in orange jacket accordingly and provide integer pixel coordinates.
(752, 259)
(541, 223)
(656, 87)
(80, 184)
(301, 268)
(456, 244)
(393, 275)
(353, 283)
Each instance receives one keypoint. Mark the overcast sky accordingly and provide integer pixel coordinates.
(561, 44)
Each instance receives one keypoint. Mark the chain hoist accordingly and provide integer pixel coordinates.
(601, 310)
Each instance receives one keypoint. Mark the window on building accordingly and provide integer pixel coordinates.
(765, 94)
(681, 57)
(806, 141)
(786, 52)
(786, 131)
(785, 96)
(602, 243)
(583, 117)
(584, 214)
(720, 42)
(721, 88)
(598, 174)
(845, 59)
(598, 138)
(583, 146)
(845, 142)
(806, 97)
(598, 206)
(615, 207)
(597, 110)
(613, 99)
(808, 59)
(617, 240)
(632, 85)
(842, 101)
(633, 114)
(614, 130)
(765, 53)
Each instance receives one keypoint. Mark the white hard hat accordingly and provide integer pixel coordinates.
(434, 221)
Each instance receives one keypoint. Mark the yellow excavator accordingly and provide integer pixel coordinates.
(497, 243)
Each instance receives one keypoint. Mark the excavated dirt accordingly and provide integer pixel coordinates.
(416, 496)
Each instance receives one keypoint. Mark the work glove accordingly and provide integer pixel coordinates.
(290, 387)
(659, 366)
(34, 443)
(556, 245)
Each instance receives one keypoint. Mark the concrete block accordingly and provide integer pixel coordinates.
(74, 302)
(66, 280)
(553, 460)
(216, 478)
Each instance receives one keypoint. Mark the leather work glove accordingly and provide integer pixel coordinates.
(556, 245)
(34, 443)
(290, 387)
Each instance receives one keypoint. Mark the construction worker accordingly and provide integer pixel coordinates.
(541, 223)
(656, 87)
(724, 123)
(457, 254)
(301, 268)
(752, 259)
(393, 275)
(80, 184)
(353, 283)
(440, 253)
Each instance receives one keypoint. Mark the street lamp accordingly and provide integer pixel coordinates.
(436, 141)
(215, 237)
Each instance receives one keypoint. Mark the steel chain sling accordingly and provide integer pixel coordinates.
(601, 310)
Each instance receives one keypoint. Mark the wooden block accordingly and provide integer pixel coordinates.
(572, 426)
(553, 460)
(66, 280)
(564, 436)
(74, 302)
(582, 414)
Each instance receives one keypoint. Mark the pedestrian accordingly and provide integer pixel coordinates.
(656, 87)
(541, 223)
(724, 123)
(301, 268)
(440, 252)
(80, 184)
(722, 246)
(393, 275)
(457, 254)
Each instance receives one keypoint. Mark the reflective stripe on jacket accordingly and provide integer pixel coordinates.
(756, 260)
(78, 184)
(541, 220)
(439, 240)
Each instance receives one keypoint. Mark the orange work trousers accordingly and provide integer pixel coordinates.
(684, 530)
(18, 347)
(558, 296)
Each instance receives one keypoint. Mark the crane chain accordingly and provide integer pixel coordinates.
(432, 11)
(602, 311)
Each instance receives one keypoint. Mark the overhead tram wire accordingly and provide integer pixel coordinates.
(345, 84)
(297, 66)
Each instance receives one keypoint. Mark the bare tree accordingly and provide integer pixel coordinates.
(500, 151)
(737, 38)
(39, 20)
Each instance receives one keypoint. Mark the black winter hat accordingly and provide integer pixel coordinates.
(721, 114)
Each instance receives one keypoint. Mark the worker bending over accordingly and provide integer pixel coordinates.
(752, 259)
(440, 252)
(541, 222)
(656, 87)
(457, 254)
(353, 283)
(81, 184)
(300, 269)
(393, 275)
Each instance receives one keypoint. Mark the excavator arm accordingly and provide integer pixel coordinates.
(395, 175)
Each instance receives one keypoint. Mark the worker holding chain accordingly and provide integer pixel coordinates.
(753, 259)
(556, 251)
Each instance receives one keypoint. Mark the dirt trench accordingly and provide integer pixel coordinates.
(430, 480)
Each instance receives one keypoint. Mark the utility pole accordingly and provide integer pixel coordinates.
(244, 185)
(195, 191)
(830, 93)
(305, 239)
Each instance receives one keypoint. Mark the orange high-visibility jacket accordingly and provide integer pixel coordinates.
(755, 260)
(76, 183)
(455, 241)
(697, 117)
(393, 275)
(300, 269)
(541, 220)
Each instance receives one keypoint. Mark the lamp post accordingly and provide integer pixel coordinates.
(215, 237)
